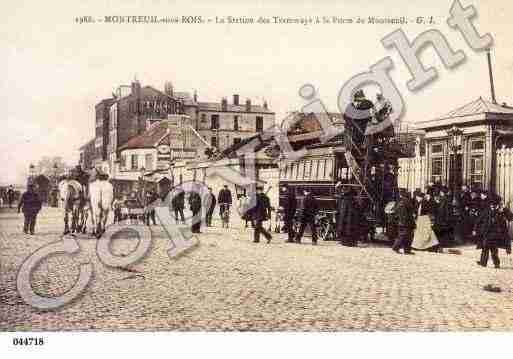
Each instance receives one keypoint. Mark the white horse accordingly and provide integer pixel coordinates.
(101, 196)
(72, 194)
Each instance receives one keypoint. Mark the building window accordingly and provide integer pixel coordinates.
(134, 162)
(236, 123)
(329, 169)
(122, 162)
(148, 162)
(259, 123)
(437, 168)
(308, 170)
(321, 169)
(437, 148)
(236, 140)
(315, 169)
(293, 170)
(213, 141)
(476, 169)
(477, 145)
(300, 169)
(214, 122)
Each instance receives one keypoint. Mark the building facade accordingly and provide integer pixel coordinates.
(152, 153)
(131, 126)
(461, 146)
(102, 110)
(222, 124)
(87, 155)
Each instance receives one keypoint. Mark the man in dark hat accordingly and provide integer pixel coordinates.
(465, 199)
(211, 203)
(195, 207)
(290, 205)
(441, 218)
(178, 204)
(404, 216)
(149, 209)
(309, 210)
(474, 206)
(456, 218)
(10, 195)
(260, 213)
(356, 123)
(484, 201)
(492, 231)
(31, 204)
(349, 221)
(224, 199)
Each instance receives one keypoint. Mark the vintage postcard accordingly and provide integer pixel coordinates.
(255, 166)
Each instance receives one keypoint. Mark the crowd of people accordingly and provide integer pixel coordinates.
(428, 221)
(8, 196)
(444, 218)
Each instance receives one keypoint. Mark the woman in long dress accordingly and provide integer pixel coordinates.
(424, 237)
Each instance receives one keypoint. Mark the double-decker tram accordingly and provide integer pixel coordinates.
(365, 161)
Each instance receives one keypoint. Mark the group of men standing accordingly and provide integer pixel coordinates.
(257, 212)
(8, 196)
(456, 217)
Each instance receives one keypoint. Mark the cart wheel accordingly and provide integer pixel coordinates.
(326, 231)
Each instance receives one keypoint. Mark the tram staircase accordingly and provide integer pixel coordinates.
(358, 161)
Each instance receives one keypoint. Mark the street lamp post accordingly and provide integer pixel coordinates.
(455, 135)
(141, 182)
(55, 173)
(55, 184)
(218, 144)
(32, 173)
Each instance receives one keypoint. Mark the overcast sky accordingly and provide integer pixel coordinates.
(56, 70)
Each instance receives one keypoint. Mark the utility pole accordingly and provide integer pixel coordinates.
(490, 72)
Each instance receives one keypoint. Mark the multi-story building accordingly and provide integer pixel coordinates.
(87, 155)
(134, 111)
(151, 153)
(101, 138)
(222, 124)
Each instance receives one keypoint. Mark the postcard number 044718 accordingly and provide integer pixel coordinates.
(30, 341)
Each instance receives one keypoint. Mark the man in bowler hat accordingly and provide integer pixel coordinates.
(31, 205)
(260, 213)
(405, 217)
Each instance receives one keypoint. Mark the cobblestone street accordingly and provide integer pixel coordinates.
(230, 283)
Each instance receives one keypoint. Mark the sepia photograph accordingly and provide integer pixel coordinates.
(280, 168)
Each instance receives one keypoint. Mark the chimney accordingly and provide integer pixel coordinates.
(248, 105)
(136, 89)
(224, 104)
(168, 88)
(492, 87)
(236, 100)
(266, 107)
(195, 96)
